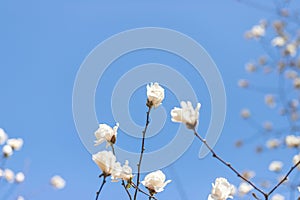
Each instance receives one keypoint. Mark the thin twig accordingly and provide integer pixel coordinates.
(102, 184)
(129, 195)
(145, 193)
(229, 165)
(142, 152)
(284, 178)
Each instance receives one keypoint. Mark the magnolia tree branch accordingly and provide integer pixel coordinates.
(102, 184)
(145, 193)
(285, 177)
(229, 165)
(129, 195)
(142, 152)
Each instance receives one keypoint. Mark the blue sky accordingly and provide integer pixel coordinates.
(42, 47)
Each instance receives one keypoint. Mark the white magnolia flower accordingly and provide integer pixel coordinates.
(250, 67)
(57, 182)
(299, 188)
(268, 126)
(245, 113)
(270, 100)
(243, 83)
(9, 175)
(186, 114)
(273, 143)
(244, 188)
(258, 31)
(292, 141)
(3, 136)
(15, 143)
(105, 161)
(277, 197)
(106, 133)
(20, 198)
(7, 151)
(278, 41)
(20, 177)
(291, 49)
(155, 181)
(248, 174)
(296, 83)
(155, 94)
(275, 166)
(290, 74)
(221, 190)
(296, 159)
(119, 172)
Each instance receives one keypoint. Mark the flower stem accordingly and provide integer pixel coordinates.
(129, 195)
(229, 165)
(102, 184)
(145, 193)
(142, 152)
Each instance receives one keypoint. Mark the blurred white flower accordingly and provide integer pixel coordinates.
(296, 159)
(9, 175)
(275, 166)
(119, 172)
(186, 114)
(20, 198)
(221, 190)
(155, 181)
(105, 161)
(296, 83)
(277, 197)
(155, 94)
(57, 182)
(282, 177)
(278, 41)
(268, 126)
(248, 174)
(292, 141)
(270, 100)
(3, 136)
(244, 188)
(290, 74)
(250, 67)
(245, 113)
(291, 49)
(258, 31)
(7, 151)
(243, 83)
(15, 143)
(273, 143)
(299, 188)
(106, 133)
(20, 177)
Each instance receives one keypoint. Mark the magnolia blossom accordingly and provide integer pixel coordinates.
(20, 177)
(291, 49)
(15, 143)
(7, 151)
(186, 114)
(155, 94)
(119, 172)
(245, 113)
(270, 100)
(277, 197)
(292, 141)
(291, 74)
(105, 161)
(258, 31)
(243, 83)
(273, 143)
(248, 174)
(297, 83)
(58, 182)
(244, 188)
(296, 159)
(278, 41)
(3, 136)
(299, 188)
(221, 190)
(275, 166)
(155, 182)
(9, 175)
(268, 126)
(20, 198)
(106, 133)
(250, 67)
